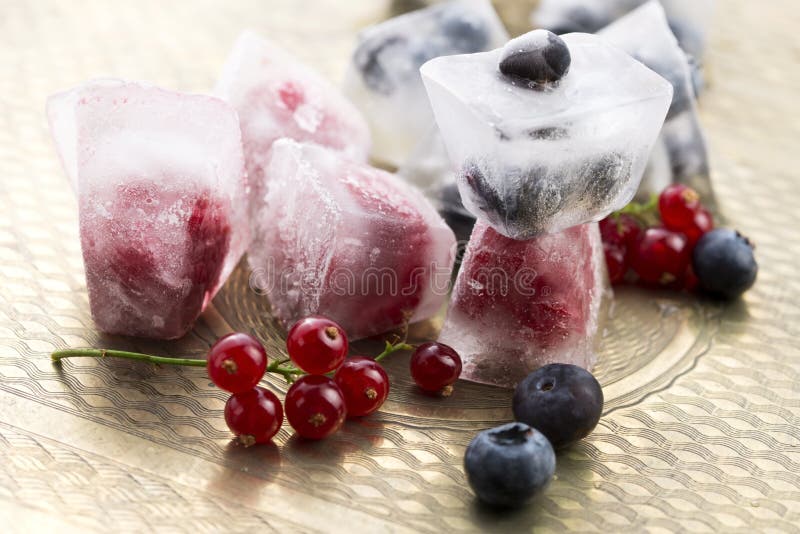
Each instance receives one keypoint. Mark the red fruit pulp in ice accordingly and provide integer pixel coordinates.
(153, 257)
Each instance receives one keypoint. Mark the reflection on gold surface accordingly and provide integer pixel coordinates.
(701, 424)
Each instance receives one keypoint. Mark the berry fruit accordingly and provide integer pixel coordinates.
(317, 345)
(508, 465)
(435, 367)
(615, 262)
(315, 407)
(236, 362)
(677, 205)
(724, 263)
(364, 384)
(660, 256)
(539, 56)
(562, 401)
(622, 230)
(255, 416)
(702, 222)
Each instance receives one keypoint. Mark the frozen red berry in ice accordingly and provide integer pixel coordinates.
(317, 345)
(255, 416)
(660, 256)
(236, 362)
(315, 407)
(364, 384)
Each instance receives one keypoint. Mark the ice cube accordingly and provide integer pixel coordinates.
(277, 96)
(542, 158)
(645, 34)
(348, 241)
(689, 19)
(518, 305)
(161, 190)
(383, 76)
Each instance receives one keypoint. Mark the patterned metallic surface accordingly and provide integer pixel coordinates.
(702, 423)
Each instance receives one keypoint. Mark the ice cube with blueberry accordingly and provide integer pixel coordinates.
(161, 197)
(645, 34)
(518, 305)
(277, 96)
(546, 132)
(383, 76)
(348, 241)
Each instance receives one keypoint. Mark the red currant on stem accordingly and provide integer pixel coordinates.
(364, 384)
(255, 416)
(677, 205)
(236, 362)
(315, 407)
(660, 256)
(435, 367)
(316, 345)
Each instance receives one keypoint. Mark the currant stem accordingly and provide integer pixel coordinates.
(59, 355)
(289, 373)
(392, 348)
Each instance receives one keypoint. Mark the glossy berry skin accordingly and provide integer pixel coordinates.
(364, 384)
(236, 362)
(255, 416)
(660, 256)
(677, 205)
(315, 407)
(509, 464)
(616, 264)
(622, 230)
(702, 222)
(316, 345)
(724, 263)
(540, 56)
(562, 401)
(435, 366)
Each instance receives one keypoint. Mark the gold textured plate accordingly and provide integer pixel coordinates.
(702, 425)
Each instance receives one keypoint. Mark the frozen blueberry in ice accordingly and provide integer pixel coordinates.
(368, 60)
(466, 32)
(548, 133)
(563, 401)
(539, 56)
(724, 263)
(453, 212)
(580, 19)
(509, 464)
(603, 177)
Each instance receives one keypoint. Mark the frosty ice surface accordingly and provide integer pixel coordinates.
(518, 305)
(534, 160)
(348, 241)
(161, 190)
(645, 34)
(277, 96)
(383, 77)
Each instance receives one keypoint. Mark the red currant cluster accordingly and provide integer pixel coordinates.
(653, 242)
(316, 404)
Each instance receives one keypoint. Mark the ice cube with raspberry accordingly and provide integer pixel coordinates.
(518, 305)
(277, 96)
(348, 241)
(161, 198)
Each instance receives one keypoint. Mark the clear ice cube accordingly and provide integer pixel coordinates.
(518, 305)
(348, 241)
(644, 33)
(161, 189)
(278, 96)
(383, 76)
(532, 161)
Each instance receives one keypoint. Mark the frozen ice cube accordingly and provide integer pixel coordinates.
(645, 34)
(688, 19)
(540, 159)
(161, 190)
(277, 96)
(383, 76)
(518, 305)
(348, 241)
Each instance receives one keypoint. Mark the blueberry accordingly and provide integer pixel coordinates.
(581, 20)
(453, 212)
(548, 133)
(604, 177)
(508, 465)
(540, 56)
(724, 263)
(563, 401)
(465, 32)
(370, 60)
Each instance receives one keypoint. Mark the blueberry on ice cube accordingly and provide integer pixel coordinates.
(539, 56)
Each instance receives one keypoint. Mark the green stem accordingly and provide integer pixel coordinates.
(59, 355)
(289, 373)
(390, 349)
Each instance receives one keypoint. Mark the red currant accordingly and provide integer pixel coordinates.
(317, 345)
(660, 256)
(702, 222)
(435, 366)
(690, 280)
(364, 384)
(315, 407)
(677, 205)
(255, 416)
(236, 362)
(615, 262)
(621, 230)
